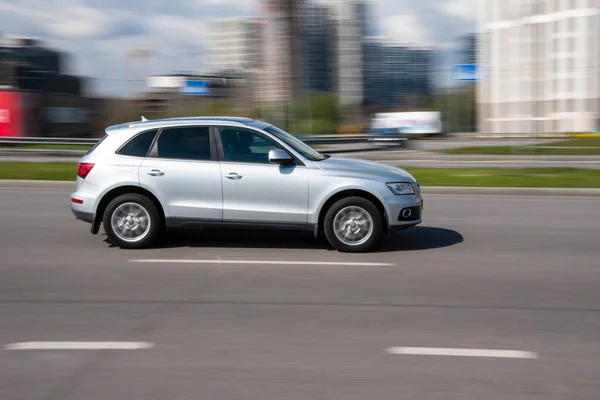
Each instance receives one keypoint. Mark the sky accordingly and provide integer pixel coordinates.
(98, 34)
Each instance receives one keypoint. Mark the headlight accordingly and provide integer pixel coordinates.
(401, 188)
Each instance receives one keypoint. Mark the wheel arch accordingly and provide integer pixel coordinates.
(352, 193)
(118, 191)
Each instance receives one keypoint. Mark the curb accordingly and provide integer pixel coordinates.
(436, 190)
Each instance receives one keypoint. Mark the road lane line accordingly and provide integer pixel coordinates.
(79, 346)
(263, 262)
(456, 352)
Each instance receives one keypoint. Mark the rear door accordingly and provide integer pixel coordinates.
(183, 172)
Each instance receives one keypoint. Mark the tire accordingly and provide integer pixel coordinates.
(144, 222)
(355, 214)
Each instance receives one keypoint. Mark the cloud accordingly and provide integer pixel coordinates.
(70, 21)
(463, 9)
(127, 27)
(419, 22)
(180, 26)
(406, 29)
(77, 22)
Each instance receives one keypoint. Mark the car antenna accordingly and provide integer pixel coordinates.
(144, 119)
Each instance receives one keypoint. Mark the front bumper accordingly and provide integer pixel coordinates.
(396, 204)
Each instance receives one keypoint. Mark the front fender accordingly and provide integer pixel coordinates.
(324, 190)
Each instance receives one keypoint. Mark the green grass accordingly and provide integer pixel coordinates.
(49, 146)
(508, 177)
(497, 177)
(59, 171)
(575, 146)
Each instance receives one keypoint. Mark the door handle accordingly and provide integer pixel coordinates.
(156, 172)
(234, 176)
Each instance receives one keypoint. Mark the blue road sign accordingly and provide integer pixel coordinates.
(195, 88)
(466, 72)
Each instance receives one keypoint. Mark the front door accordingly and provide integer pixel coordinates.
(256, 192)
(185, 176)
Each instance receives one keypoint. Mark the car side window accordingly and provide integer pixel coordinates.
(245, 146)
(139, 145)
(184, 143)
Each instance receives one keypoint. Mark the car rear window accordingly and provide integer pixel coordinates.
(184, 143)
(139, 145)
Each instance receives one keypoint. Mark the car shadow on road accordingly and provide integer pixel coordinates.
(420, 238)
(416, 238)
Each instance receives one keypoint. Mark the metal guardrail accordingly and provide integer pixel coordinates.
(379, 141)
(352, 139)
(47, 140)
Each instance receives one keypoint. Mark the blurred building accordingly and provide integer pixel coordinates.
(318, 48)
(540, 64)
(397, 76)
(234, 44)
(280, 77)
(27, 65)
(468, 49)
(37, 97)
(323, 39)
(350, 25)
(166, 93)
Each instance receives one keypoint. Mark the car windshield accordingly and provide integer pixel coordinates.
(296, 144)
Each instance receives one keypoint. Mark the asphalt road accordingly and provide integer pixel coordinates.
(254, 320)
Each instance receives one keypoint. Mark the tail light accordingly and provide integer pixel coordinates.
(83, 169)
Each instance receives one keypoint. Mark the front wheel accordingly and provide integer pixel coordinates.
(353, 225)
(131, 221)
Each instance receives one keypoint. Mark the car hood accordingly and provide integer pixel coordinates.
(370, 169)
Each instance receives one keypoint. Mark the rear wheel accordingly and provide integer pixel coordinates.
(131, 221)
(353, 224)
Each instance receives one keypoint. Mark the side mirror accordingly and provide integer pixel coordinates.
(278, 156)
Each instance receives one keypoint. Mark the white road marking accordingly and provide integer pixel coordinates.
(79, 346)
(263, 262)
(455, 352)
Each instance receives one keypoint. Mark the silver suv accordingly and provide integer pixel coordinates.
(146, 177)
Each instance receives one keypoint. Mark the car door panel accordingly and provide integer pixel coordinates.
(186, 189)
(185, 176)
(270, 194)
(256, 191)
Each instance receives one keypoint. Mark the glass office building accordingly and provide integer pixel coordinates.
(396, 76)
